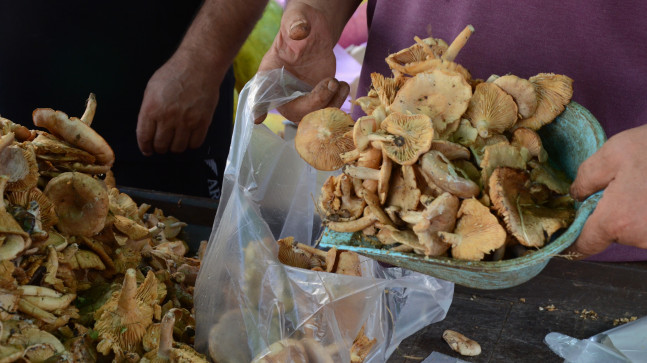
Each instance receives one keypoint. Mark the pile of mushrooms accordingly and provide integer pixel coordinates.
(84, 271)
(443, 164)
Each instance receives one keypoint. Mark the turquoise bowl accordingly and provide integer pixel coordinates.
(569, 140)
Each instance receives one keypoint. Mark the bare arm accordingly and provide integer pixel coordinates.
(181, 97)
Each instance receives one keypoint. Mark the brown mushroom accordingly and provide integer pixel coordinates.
(75, 132)
(365, 221)
(529, 139)
(80, 201)
(383, 175)
(415, 59)
(451, 150)
(386, 88)
(522, 91)
(407, 137)
(466, 134)
(554, 91)
(122, 321)
(363, 127)
(491, 110)
(168, 350)
(322, 136)
(439, 215)
(552, 178)
(531, 224)
(499, 155)
(477, 232)
(368, 104)
(404, 192)
(439, 94)
(362, 345)
(130, 228)
(90, 110)
(444, 175)
(48, 147)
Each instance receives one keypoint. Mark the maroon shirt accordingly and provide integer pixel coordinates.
(601, 45)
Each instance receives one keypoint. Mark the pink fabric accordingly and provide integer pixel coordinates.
(599, 44)
(356, 30)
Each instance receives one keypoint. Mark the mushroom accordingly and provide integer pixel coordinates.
(80, 201)
(168, 350)
(552, 178)
(362, 345)
(48, 147)
(530, 223)
(499, 155)
(18, 162)
(122, 321)
(293, 255)
(365, 221)
(337, 200)
(522, 91)
(286, 350)
(415, 59)
(25, 199)
(321, 138)
(368, 104)
(554, 91)
(363, 127)
(440, 94)
(458, 43)
(444, 175)
(491, 110)
(383, 175)
(408, 136)
(90, 110)
(404, 192)
(529, 139)
(75, 132)
(461, 344)
(386, 88)
(20, 132)
(466, 134)
(451, 150)
(439, 215)
(348, 264)
(477, 232)
(130, 228)
(122, 204)
(478, 146)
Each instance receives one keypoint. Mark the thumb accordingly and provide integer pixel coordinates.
(296, 23)
(595, 173)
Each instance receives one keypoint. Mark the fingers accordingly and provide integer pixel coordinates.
(595, 173)
(593, 239)
(197, 137)
(181, 139)
(145, 135)
(326, 93)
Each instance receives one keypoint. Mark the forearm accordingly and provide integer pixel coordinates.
(218, 32)
(336, 12)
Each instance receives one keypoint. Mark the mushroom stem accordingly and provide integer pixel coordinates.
(30, 309)
(361, 172)
(128, 292)
(450, 238)
(311, 250)
(166, 336)
(90, 109)
(482, 128)
(49, 303)
(352, 226)
(11, 247)
(350, 156)
(32, 290)
(6, 140)
(397, 140)
(374, 203)
(458, 43)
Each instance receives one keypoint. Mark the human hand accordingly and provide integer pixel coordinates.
(620, 168)
(178, 105)
(304, 47)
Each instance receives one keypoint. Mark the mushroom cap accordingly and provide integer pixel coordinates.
(499, 155)
(532, 225)
(440, 94)
(554, 91)
(362, 345)
(130, 228)
(386, 88)
(403, 192)
(363, 127)
(552, 178)
(451, 150)
(479, 231)
(321, 137)
(80, 201)
(522, 91)
(413, 137)
(466, 134)
(413, 60)
(19, 164)
(46, 210)
(525, 137)
(491, 110)
(368, 104)
(49, 147)
(442, 172)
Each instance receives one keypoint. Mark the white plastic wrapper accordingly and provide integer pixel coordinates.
(626, 344)
(245, 299)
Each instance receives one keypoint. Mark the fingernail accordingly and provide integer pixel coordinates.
(333, 85)
(299, 30)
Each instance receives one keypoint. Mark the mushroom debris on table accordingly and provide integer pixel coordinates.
(444, 164)
(86, 274)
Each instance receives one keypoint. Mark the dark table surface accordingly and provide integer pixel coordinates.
(510, 324)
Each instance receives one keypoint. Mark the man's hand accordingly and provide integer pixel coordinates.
(177, 108)
(620, 168)
(304, 46)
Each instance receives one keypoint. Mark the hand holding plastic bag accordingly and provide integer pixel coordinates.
(246, 300)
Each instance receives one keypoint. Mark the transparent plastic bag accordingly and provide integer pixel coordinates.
(626, 343)
(245, 299)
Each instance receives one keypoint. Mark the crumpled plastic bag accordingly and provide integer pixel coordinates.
(624, 344)
(246, 300)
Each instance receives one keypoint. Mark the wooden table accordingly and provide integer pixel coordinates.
(510, 325)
